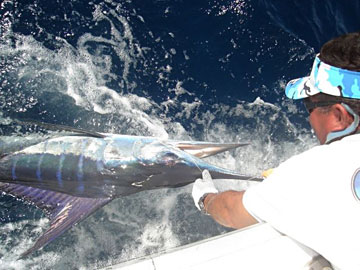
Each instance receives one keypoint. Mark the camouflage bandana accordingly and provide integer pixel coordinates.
(325, 79)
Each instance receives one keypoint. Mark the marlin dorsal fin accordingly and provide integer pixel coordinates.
(57, 127)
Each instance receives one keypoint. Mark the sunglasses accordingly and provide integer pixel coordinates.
(310, 106)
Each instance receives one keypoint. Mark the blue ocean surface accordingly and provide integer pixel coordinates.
(175, 69)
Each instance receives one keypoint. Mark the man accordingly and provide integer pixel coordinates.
(313, 197)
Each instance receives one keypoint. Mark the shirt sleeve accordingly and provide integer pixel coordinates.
(262, 201)
(282, 197)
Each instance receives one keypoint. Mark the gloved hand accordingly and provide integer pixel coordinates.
(203, 186)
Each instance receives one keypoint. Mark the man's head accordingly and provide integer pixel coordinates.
(342, 52)
(332, 91)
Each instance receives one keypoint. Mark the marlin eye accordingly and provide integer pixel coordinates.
(169, 159)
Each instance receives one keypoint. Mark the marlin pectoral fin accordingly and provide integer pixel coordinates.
(205, 149)
(64, 210)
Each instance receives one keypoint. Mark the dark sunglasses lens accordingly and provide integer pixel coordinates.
(310, 106)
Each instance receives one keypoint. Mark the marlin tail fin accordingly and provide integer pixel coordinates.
(64, 210)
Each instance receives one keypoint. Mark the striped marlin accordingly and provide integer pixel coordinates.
(71, 176)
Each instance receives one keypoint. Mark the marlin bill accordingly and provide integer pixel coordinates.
(72, 175)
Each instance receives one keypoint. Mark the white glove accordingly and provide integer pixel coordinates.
(202, 187)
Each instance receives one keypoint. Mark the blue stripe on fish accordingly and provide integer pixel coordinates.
(99, 165)
(38, 168)
(61, 164)
(100, 157)
(13, 169)
(58, 173)
(80, 172)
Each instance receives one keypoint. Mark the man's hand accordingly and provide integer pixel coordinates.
(203, 186)
(226, 208)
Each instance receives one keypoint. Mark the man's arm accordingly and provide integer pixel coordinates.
(227, 208)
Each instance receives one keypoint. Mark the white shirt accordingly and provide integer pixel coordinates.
(310, 197)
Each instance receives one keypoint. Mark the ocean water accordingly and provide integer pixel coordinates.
(178, 69)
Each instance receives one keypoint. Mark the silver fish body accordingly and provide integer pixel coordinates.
(73, 176)
(104, 167)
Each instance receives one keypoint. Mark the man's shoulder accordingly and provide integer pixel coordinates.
(323, 159)
(346, 144)
(354, 138)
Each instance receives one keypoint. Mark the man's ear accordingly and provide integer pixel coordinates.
(342, 117)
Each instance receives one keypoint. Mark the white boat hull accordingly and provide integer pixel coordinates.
(257, 247)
